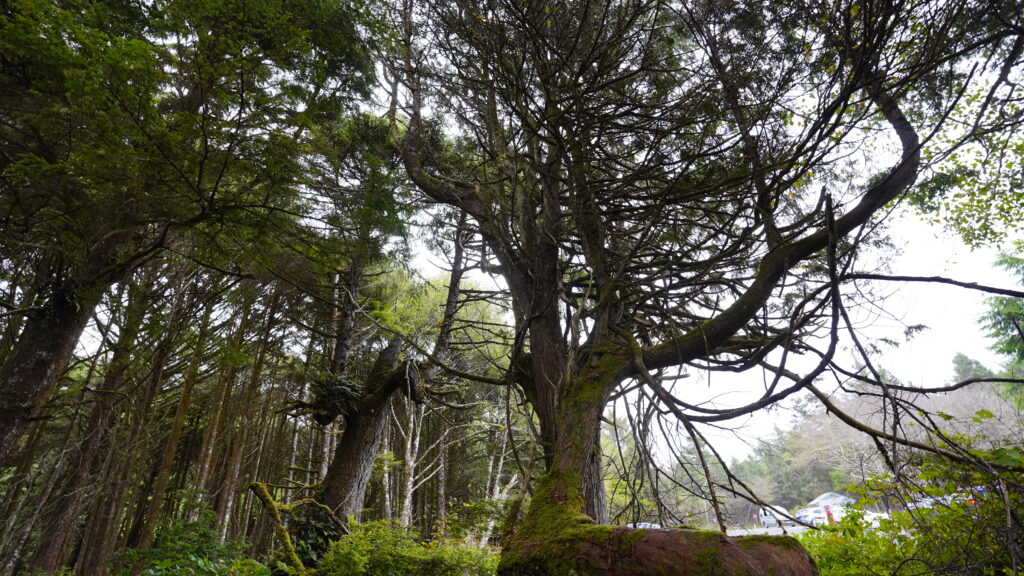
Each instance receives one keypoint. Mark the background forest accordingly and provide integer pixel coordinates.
(221, 353)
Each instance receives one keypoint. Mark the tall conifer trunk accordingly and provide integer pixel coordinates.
(43, 350)
(169, 451)
(53, 549)
(349, 472)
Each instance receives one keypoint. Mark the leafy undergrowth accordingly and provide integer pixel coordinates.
(189, 548)
(972, 531)
(373, 549)
(382, 549)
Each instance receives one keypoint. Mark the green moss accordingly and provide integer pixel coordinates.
(785, 542)
(560, 554)
(549, 539)
(702, 535)
(629, 539)
(708, 561)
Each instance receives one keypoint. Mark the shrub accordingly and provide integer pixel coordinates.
(967, 531)
(383, 549)
(188, 548)
(849, 548)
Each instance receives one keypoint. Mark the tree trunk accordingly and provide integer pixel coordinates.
(350, 470)
(385, 483)
(40, 355)
(226, 502)
(410, 458)
(15, 537)
(326, 439)
(104, 531)
(171, 446)
(211, 434)
(52, 551)
(556, 537)
(441, 524)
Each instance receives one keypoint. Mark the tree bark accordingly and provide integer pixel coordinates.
(40, 355)
(53, 549)
(557, 537)
(171, 445)
(410, 458)
(441, 524)
(211, 434)
(104, 531)
(228, 493)
(349, 472)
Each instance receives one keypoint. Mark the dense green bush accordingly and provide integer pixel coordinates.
(189, 548)
(383, 549)
(973, 527)
(850, 548)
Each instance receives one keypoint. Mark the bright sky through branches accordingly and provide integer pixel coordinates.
(926, 359)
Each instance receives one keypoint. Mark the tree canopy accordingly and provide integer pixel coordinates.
(224, 197)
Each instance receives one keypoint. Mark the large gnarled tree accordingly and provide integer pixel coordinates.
(670, 184)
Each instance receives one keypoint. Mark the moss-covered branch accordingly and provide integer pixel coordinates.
(261, 492)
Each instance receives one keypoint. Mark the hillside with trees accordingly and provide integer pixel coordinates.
(221, 352)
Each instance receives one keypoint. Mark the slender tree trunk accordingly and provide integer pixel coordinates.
(441, 524)
(311, 461)
(19, 480)
(326, 440)
(229, 491)
(106, 521)
(410, 458)
(16, 536)
(174, 437)
(293, 453)
(53, 549)
(21, 537)
(218, 404)
(385, 481)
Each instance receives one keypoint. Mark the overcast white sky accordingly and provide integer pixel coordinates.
(951, 313)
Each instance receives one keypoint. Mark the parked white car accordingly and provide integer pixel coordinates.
(830, 499)
(830, 514)
(825, 509)
(772, 516)
(813, 515)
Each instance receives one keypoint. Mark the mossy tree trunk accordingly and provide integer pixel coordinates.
(40, 356)
(350, 469)
(558, 537)
(624, 261)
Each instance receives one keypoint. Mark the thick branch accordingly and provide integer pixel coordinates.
(707, 337)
